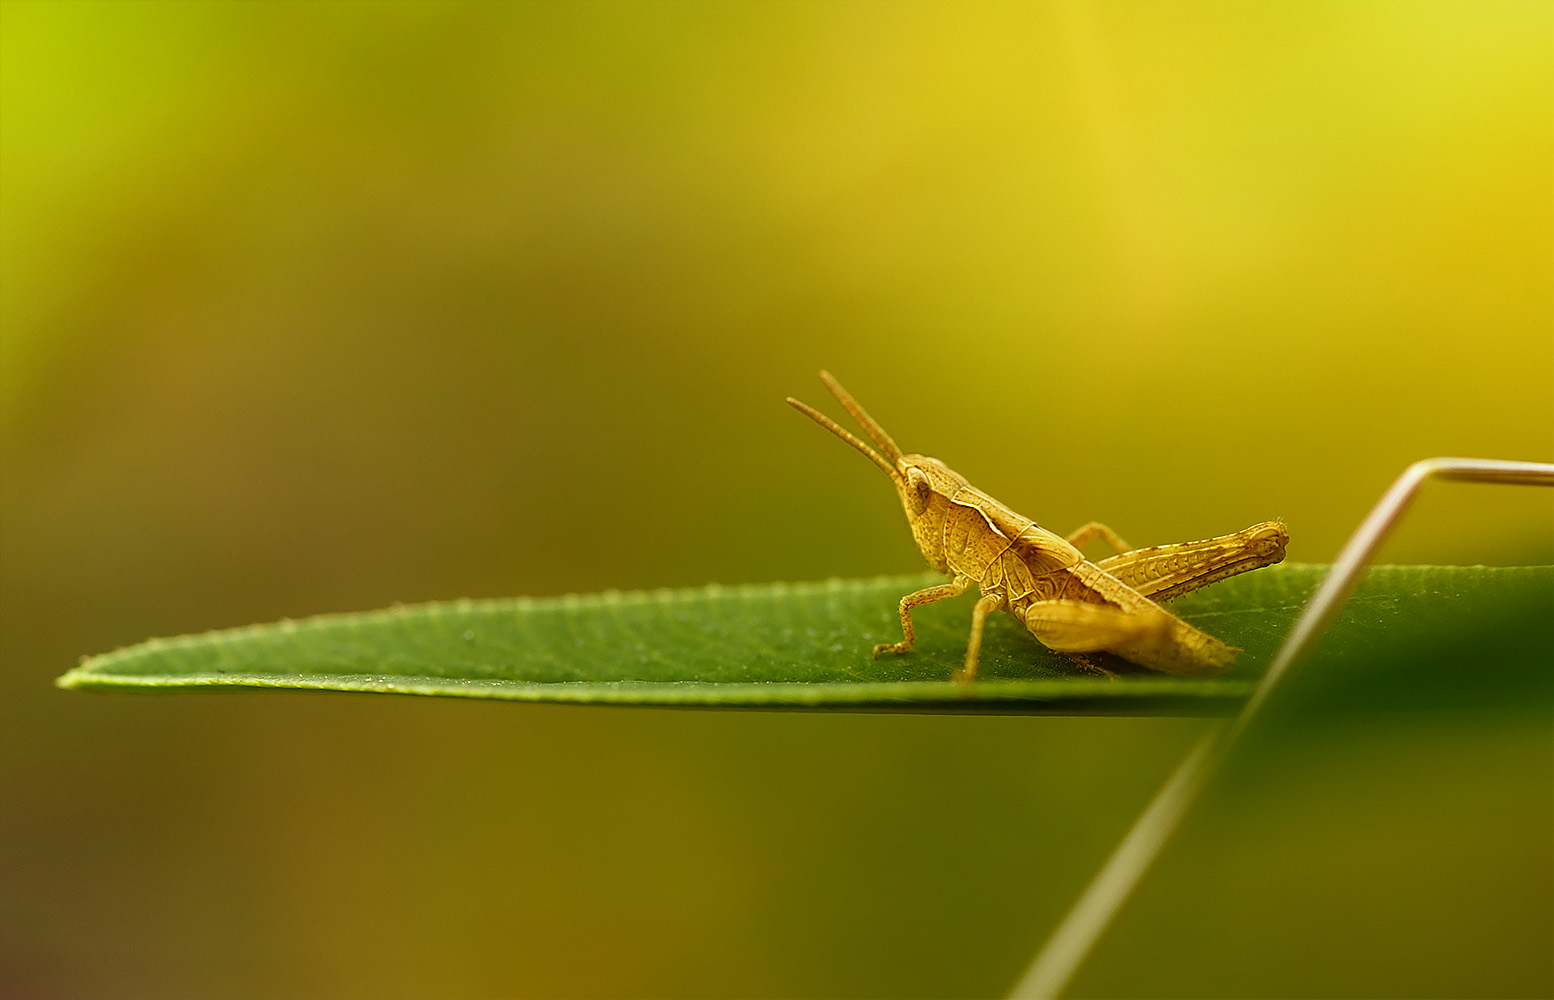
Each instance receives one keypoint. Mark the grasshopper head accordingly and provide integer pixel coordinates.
(921, 480)
(926, 486)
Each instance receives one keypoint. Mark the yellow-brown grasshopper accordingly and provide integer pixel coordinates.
(1068, 603)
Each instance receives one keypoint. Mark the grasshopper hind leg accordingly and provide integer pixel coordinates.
(1166, 571)
(1091, 663)
(1146, 635)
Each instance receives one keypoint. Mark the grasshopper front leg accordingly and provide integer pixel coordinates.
(917, 599)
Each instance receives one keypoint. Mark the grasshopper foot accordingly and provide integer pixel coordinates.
(891, 647)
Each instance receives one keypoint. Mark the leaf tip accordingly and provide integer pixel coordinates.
(71, 679)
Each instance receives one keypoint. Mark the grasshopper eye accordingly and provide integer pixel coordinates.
(918, 490)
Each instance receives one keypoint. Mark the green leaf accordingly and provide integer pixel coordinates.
(768, 645)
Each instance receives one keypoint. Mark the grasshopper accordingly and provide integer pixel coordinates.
(1068, 603)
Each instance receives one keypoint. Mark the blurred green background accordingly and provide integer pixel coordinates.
(322, 307)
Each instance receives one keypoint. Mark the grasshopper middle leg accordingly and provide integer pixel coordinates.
(985, 604)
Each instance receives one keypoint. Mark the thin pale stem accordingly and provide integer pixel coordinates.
(1068, 947)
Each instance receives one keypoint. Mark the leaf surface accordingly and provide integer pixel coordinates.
(796, 645)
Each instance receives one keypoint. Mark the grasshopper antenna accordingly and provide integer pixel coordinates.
(861, 415)
(845, 435)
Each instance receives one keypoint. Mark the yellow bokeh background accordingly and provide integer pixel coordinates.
(320, 307)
